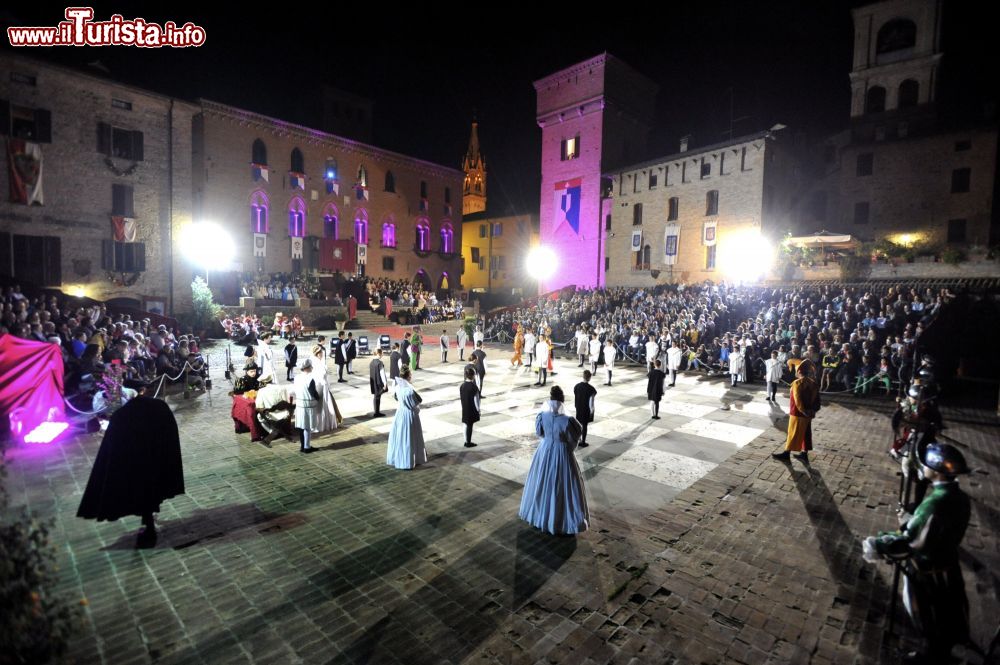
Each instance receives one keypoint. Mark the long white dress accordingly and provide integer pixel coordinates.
(265, 359)
(406, 438)
(326, 412)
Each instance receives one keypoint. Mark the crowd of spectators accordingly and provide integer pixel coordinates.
(280, 286)
(91, 340)
(861, 338)
(421, 306)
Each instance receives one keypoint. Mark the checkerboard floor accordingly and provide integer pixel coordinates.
(633, 462)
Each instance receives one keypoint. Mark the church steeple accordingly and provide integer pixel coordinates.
(474, 189)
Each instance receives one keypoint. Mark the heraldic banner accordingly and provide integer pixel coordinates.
(260, 244)
(671, 241)
(567, 204)
(24, 162)
(338, 255)
(297, 247)
(636, 240)
(708, 234)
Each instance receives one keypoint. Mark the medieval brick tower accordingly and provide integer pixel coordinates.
(594, 116)
(474, 189)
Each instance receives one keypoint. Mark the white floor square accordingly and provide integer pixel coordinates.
(661, 467)
(719, 431)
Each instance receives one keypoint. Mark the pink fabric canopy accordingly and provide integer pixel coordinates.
(31, 376)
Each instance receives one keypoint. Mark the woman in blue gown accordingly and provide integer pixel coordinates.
(406, 438)
(554, 499)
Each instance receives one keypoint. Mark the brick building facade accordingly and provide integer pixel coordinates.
(405, 213)
(112, 157)
(594, 116)
(695, 210)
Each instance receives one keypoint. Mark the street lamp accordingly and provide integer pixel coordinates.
(541, 263)
(208, 246)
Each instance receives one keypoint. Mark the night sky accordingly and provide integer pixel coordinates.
(428, 72)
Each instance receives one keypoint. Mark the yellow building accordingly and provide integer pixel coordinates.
(494, 250)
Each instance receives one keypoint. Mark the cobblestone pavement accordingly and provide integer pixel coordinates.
(701, 550)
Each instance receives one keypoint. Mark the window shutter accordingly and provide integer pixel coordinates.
(43, 126)
(51, 251)
(137, 146)
(107, 254)
(4, 117)
(104, 138)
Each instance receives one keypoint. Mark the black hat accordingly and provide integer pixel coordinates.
(251, 366)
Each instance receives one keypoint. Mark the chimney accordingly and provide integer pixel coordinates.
(684, 143)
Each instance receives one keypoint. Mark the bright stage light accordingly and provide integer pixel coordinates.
(541, 263)
(745, 256)
(207, 245)
(47, 432)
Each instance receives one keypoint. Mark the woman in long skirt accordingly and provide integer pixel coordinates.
(554, 498)
(327, 414)
(406, 438)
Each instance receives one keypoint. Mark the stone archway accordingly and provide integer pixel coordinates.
(422, 280)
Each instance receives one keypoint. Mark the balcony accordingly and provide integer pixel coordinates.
(640, 267)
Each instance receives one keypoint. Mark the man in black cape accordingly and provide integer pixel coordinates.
(138, 466)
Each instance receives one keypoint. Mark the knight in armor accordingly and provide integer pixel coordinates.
(927, 549)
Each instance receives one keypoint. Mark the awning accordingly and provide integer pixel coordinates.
(824, 239)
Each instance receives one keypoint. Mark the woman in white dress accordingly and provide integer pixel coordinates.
(406, 438)
(327, 416)
(265, 359)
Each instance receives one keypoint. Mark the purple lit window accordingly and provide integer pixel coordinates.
(388, 234)
(423, 237)
(331, 222)
(447, 239)
(259, 213)
(297, 219)
(361, 229)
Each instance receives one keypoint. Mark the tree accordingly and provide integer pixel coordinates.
(205, 310)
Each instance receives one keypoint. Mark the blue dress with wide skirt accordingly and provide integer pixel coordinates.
(554, 499)
(406, 438)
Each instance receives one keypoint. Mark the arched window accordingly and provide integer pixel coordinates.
(361, 227)
(642, 258)
(909, 93)
(258, 153)
(259, 207)
(447, 238)
(896, 35)
(330, 170)
(330, 222)
(388, 233)
(298, 161)
(390, 182)
(297, 218)
(423, 243)
(362, 176)
(875, 99)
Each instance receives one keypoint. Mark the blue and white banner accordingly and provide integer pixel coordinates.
(636, 240)
(567, 203)
(297, 181)
(708, 234)
(671, 242)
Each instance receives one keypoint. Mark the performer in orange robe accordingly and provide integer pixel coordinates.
(518, 347)
(804, 403)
